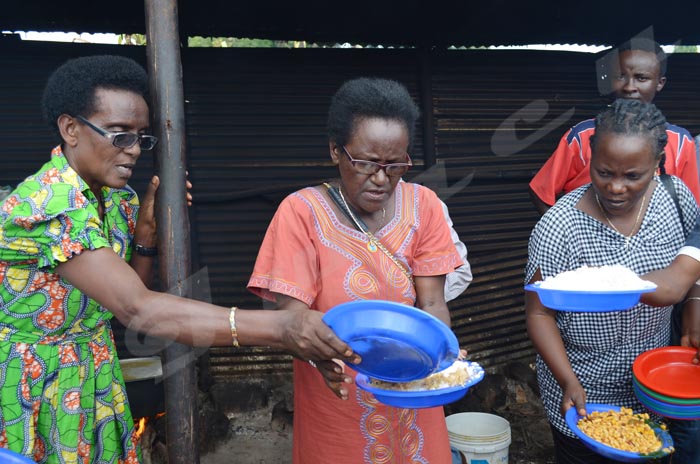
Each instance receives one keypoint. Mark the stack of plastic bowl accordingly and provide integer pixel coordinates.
(667, 382)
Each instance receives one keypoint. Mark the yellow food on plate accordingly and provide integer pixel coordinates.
(458, 373)
(621, 430)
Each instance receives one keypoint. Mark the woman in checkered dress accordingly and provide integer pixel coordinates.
(624, 216)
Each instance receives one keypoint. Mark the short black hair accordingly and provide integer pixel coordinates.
(71, 87)
(646, 45)
(633, 117)
(366, 97)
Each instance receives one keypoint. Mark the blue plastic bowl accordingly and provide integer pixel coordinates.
(420, 398)
(674, 411)
(397, 342)
(572, 419)
(10, 457)
(588, 301)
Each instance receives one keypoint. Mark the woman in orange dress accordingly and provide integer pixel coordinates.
(316, 256)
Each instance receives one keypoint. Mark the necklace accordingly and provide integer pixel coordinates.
(634, 227)
(372, 244)
(345, 203)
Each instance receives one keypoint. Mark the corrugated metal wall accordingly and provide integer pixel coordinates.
(475, 96)
(256, 132)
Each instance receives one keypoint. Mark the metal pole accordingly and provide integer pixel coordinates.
(167, 96)
(425, 82)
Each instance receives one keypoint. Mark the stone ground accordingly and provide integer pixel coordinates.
(262, 435)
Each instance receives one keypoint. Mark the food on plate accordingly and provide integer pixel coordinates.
(457, 374)
(621, 430)
(596, 278)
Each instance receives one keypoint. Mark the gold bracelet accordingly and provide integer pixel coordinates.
(232, 322)
(691, 298)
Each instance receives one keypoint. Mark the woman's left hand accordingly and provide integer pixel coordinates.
(333, 372)
(145, 233)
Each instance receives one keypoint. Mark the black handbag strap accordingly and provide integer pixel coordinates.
(355, 220)
(677, 313)
(668, 183)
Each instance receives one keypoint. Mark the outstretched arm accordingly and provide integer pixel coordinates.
(105, 277)
(673, 281)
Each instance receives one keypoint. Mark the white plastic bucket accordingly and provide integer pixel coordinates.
(482, 438)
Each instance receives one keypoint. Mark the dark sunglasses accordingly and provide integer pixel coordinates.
(122, 139)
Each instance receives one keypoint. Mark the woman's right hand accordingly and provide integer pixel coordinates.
(574, 397)
(308, 338)
(545, 335)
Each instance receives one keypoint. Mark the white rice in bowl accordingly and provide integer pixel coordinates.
(597, 278)
(459, 373)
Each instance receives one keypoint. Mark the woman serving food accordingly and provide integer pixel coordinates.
(363, 236)
(624, 216)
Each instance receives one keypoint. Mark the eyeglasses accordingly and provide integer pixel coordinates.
(370, 167)
(123, 139)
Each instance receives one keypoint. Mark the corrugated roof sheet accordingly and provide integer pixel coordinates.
(438, 23)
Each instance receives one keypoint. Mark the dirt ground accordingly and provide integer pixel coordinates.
(261, 446)
(253, 443)
(256, 444)
(263, 435)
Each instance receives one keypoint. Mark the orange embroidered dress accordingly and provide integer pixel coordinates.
(310, 255)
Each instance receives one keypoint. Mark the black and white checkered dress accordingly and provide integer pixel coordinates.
(602, 346)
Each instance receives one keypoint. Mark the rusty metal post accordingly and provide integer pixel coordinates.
(168, 110)
(425, 88)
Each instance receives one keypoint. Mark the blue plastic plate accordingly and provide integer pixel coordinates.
(588, 301)
(421, 398)
(572, 419)
(397, 342)
(10, 457)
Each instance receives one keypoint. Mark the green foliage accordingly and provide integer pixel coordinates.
(685, 49)
(131, 39)
(233, 42)
(218, 42)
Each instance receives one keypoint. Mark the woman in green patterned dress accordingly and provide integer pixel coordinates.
(76, 249)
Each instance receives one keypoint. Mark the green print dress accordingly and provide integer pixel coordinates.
(62, 395)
